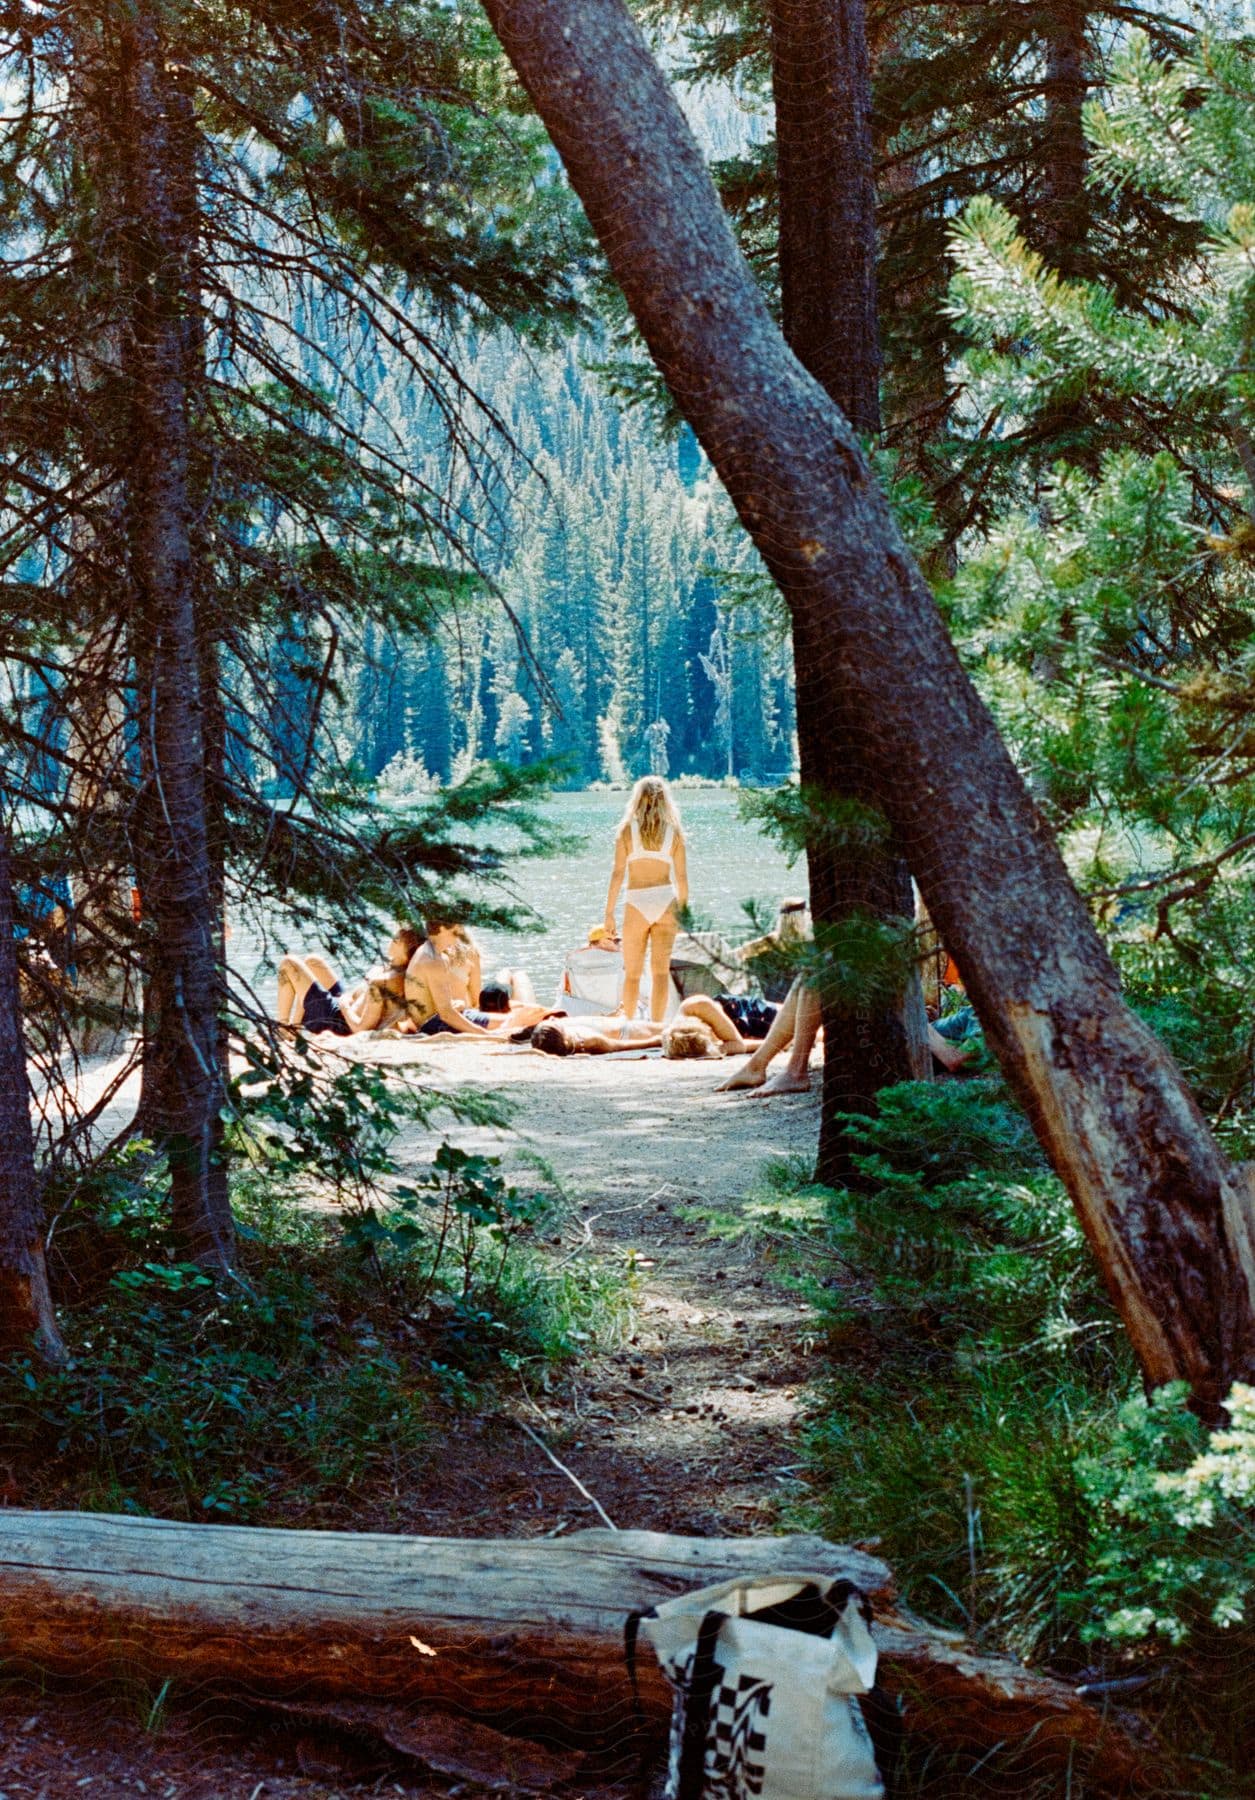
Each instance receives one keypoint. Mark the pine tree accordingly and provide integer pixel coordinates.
(219, 499)
(1166, 1211)
(1108, 614)
(969, 100)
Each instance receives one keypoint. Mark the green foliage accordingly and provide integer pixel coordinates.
(188, 1401)
(1107, 609)
(318, 1128)
(1174, 1510)
(305, 1390)
(954, 1274)
(975, 1417)
(798, 816)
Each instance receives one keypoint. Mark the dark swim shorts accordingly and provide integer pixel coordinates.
(435, 1025)
(321, 1011)
(752, 1018)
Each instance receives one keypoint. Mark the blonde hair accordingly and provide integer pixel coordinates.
(793, 923)
(651, 805)
(689, 1038)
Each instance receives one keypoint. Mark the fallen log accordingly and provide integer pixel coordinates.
(525, 1633)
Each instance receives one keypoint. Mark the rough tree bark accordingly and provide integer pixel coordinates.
(1169, 1218)
(25, 1303)
(1062, 214)
(821, 86)
(184, 1088)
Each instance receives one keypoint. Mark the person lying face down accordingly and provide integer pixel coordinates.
(313, 998)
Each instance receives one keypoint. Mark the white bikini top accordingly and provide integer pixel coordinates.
(661, 854)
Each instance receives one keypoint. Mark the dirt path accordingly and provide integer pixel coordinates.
(688, 1426)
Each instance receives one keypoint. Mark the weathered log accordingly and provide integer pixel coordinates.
(526, 1633)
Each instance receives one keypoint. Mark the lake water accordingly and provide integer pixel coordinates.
(729, 862)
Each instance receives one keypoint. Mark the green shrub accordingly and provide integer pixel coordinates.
(306, 1386)
(968, 1482)
(1174, 1521)
(972, 1360)
(975, 1414)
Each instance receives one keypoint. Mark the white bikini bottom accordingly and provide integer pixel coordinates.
(650, 902)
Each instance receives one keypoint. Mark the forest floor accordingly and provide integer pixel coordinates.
(686, 1425)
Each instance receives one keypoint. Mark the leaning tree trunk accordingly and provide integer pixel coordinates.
(1169, 1217)
(25, 1303)
(821, 85)
(184, 1089)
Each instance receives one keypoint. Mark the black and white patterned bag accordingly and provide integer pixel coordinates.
(769, 1678)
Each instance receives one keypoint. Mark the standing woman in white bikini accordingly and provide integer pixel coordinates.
(649, 866)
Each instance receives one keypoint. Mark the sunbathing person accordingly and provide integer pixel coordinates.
(444, 988)
(313, 998)
(795, 1027)
(506, 991)
(596, 1036)
(698, 1021)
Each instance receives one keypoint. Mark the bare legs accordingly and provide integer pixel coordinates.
(660, 938)
(797, 1022)
(362, 1010)
(296, 975)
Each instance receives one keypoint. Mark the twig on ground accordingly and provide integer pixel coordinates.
(570, 1475)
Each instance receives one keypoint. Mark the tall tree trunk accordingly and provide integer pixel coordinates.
(25, 1303)
(1169, 1217)
(184, 1093)
(1062, 215)
(821, 84)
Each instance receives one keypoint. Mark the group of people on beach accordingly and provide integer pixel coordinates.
(431, 982)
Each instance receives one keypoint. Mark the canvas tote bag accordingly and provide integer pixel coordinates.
(767, 1675)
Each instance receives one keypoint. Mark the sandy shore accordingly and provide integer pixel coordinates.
(605, 1123)
(602, 1122)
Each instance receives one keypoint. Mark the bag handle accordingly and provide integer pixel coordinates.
(631, 1633)
(697, 1705)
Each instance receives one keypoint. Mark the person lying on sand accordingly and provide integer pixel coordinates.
(444, 988)
(312, 996)
(700, 1028)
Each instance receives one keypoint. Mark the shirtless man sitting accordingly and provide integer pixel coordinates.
(443, 986)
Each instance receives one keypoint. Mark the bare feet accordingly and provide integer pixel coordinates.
(748, 1077)
(785, 1083)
